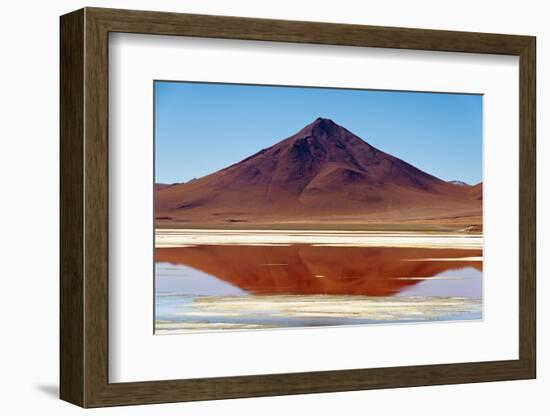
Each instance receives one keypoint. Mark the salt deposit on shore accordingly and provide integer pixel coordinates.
(247, 312)
(183, 238)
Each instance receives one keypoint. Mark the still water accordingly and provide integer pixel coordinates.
(219, 287)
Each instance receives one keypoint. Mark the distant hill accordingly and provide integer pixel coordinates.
(460, 183)
(159, 186)
(323, 173)
(476, 191)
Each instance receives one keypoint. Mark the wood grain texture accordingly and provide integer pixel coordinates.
(71, 100)
(84, 207)
(96, 219)
(527, 208)
(162, 23)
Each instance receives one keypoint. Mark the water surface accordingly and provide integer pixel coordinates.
(218, 286)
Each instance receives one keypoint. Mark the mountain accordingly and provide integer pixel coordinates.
(159, 186)
(459, 183)
(476, 191)
(323, 173)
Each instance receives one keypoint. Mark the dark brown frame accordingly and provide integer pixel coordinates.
(84, 207)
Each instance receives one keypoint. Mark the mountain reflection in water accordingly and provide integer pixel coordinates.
(313, 270)
(213, 287)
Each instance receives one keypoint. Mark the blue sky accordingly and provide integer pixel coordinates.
(201, 127)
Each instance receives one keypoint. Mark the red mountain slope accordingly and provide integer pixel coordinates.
(476, 191)
(323, 172)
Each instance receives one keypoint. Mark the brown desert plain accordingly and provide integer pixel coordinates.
(322, 177)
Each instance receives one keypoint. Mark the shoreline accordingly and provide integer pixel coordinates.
(166, 238)
(213, 313)
(457, 226)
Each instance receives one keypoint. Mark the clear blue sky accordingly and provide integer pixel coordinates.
(201, 128)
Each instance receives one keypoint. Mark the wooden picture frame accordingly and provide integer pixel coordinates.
(84, 207)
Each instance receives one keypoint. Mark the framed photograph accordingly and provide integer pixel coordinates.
(255, 207)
